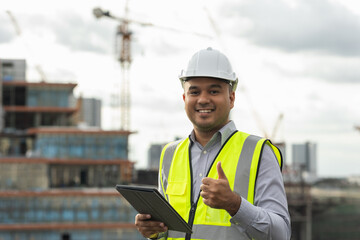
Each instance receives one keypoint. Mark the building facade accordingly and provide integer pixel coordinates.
(154, 153)
(304, 158)
(58, 181)
(91, 112)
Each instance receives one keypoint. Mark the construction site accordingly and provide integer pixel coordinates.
(57, 177)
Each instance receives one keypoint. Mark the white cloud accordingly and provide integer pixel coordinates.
(319, 25)
(293, 57)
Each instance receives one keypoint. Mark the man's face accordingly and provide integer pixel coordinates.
(208, 102)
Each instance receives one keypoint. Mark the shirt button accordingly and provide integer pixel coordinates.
(205, 152)
(200, 174)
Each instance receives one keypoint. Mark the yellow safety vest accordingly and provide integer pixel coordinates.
(239, 158)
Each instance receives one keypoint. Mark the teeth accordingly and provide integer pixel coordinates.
(204, 111)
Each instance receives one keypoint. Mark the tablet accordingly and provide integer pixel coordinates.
(148, 200)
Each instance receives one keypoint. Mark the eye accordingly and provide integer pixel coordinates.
(194, 93)
(214, 92)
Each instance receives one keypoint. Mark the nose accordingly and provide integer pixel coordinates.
(204, 98)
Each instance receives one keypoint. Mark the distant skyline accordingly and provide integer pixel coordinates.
(296, 58)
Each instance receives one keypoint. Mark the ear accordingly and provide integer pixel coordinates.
(232, 99)
(183, 96)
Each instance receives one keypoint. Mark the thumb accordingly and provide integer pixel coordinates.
(220, 171)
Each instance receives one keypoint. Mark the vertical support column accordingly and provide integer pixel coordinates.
(308, 217)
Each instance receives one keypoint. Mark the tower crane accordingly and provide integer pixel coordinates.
(123, 40)
(123, 35)
(19, 33)
(255, 114)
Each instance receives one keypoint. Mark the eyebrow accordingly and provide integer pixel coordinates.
(215, 86)
(211, 86)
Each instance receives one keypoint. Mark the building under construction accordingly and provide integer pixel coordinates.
(57, 180)
(326, 209)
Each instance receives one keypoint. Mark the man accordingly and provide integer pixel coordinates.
(226, 184)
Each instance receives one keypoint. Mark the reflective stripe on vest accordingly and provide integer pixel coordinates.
(175, 178)
(210, 232)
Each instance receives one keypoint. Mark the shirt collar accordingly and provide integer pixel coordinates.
(225, 132)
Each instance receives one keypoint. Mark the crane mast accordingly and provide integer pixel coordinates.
(124, 37)
(123, 47)
(123, 44)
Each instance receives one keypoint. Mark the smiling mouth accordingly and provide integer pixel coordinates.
(204, 111)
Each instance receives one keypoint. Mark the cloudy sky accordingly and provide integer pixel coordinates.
(296, 58)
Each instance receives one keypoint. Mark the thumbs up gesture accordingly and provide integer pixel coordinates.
(216, 193)
(220, 172)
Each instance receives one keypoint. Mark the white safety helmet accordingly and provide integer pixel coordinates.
(210, 63)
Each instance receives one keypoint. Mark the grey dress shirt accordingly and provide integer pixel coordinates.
(268, 218)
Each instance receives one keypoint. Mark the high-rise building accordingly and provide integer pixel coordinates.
(304, 158)
(57, 180)
(154, 153)
(91, 112)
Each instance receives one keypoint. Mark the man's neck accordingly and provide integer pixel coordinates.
(203, 137)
